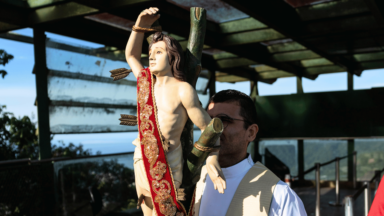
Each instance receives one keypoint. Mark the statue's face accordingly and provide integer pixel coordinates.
(158, 59)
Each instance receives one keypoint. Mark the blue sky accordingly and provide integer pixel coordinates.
(18, 91)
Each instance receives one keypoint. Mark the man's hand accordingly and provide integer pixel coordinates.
(215, 173)
(147, 17)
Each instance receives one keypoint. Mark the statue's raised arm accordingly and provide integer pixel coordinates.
(134, 46)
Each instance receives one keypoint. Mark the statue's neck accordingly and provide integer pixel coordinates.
(164, 79)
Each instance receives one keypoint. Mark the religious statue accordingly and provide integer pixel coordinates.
(165, 103)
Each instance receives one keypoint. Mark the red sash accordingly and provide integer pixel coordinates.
(158, 172)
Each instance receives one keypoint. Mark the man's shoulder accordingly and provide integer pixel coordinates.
(259, 168)
(286, 202)
(282, 188)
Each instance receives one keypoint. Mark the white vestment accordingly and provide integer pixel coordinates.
(285, 201)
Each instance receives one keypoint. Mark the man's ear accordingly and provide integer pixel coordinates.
(252, 132)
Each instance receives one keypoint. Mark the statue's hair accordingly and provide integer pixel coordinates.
(175, 54)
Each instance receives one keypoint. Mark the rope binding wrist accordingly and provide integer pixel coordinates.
(206, 149)
(144, 30)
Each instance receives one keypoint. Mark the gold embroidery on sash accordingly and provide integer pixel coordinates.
(151, 151)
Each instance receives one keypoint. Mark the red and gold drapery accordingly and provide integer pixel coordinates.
(157, 169)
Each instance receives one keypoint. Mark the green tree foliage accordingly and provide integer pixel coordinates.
(4, 59)
(18, 139)
(110, 180)
(70, 150)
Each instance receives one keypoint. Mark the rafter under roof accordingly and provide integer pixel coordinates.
(245, 40)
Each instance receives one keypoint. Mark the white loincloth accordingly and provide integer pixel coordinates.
(174, 158)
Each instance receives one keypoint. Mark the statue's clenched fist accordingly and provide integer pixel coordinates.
(147, 17)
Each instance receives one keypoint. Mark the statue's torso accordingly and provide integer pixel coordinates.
(171, 114)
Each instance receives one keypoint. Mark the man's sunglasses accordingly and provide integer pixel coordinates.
(228, 120)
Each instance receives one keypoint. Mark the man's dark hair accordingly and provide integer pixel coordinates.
(175, 54)
(247, 106)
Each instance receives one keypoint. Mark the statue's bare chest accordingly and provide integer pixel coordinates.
(167, 100)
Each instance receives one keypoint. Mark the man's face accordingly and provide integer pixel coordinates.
(233, 139)
(158, 59)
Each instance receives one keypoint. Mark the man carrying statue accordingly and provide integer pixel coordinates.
(252, 188)
(165, 102)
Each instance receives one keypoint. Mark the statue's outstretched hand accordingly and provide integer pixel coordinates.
(147, 17)
(215, 173)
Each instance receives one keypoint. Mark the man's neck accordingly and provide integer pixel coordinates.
(230, 161)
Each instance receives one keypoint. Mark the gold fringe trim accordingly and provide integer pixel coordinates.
(180, 194)
(166, 144)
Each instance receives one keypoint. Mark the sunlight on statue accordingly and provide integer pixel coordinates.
(174, 100)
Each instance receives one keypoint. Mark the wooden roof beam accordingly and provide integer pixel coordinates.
(234, 78)
(274, 74)
(295, 56)
(11, 16)
(290, 25)
(331, 9)
(254, 52)
(234, 62)
(5, 27)
(372, 65)
(374, 8)
(285, 47)
(315, 62)
(175, 16)
(246, 24)
(324, 69)
(246, 73)
(22, 17)
(248, 37)
(52, 13)
(369, 56)
(209, 63)
(260, 54)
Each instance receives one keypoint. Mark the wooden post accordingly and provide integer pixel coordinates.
(300, 143)
(299, 85)
(41, 72)
(350, 81)
(351, 149)
(300, 158)
(254, 93)
(192, 69)
(256, 156)
(254, 90)
(212, 83)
